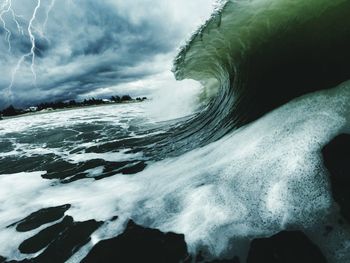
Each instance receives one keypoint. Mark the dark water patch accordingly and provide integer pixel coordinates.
(234, 260)
(69, 242)
(96, 126)
(138, 244)
(114, 166)
(86, 127)
(74, 178)
(88, 136)
(64, 244)
(2, 259)
(6, 146)
(134, 128)
(122, 168)
(77, 150)
(117, 145)
(114, 218)
(17, 164)
(94, 131)
(336, 157)
(327, 230)
(52, 138)
(60, 169)
(285, 247)
(151, 145)
(41, 217)
(200, 259)
(133, 168)
(45, 237)
(68, 172)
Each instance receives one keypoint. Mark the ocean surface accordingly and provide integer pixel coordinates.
(261, 162)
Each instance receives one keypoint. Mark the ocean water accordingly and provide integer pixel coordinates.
(246, 164)
(261, 179)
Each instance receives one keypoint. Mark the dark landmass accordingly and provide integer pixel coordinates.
(336, 156)
(59, 241)
(138, 244)
(71, 173)
(12, 111)
(285, 247)
(40, 218)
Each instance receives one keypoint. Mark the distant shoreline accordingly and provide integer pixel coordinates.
(46, 107)
(67, 109)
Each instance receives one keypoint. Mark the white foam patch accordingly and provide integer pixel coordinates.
(109, 157)
(175, 100)
(14, 198)
(255, 182)
(114, 115)
(61, 118)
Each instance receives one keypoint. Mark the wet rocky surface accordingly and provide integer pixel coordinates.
(285, 247)
(138, 244)
(58, 242)
(41, 217)
(336, 156)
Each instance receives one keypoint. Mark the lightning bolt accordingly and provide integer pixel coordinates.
(5, 8)
(14, 17)
(48, 11)
(32, 38)
(6, 11)
(30, 54)
(42, 29)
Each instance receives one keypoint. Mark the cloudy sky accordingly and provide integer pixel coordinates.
(90, 48)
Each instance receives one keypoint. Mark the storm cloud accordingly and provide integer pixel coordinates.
(93, 48)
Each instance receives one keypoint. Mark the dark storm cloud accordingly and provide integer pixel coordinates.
(87, 45)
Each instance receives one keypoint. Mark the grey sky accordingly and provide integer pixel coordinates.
(95, 48)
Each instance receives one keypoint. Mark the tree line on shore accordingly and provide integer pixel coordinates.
(12, 111)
